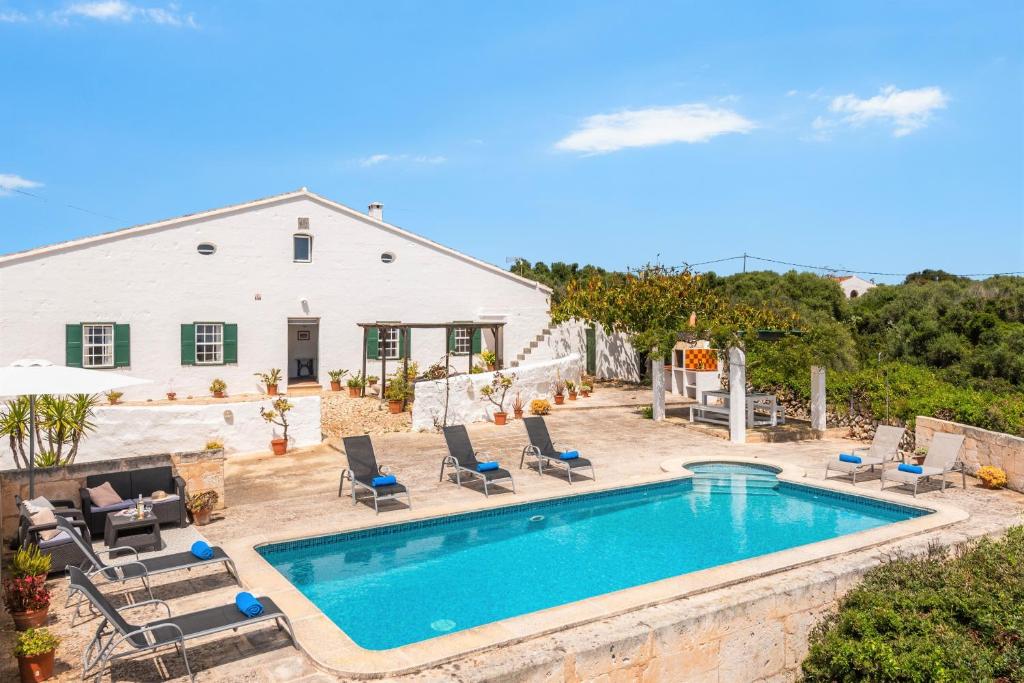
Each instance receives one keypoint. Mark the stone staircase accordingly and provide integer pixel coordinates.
(527, 350)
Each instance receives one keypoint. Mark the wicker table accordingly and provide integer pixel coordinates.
(125, 530)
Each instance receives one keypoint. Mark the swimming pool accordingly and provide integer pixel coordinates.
(394, 585)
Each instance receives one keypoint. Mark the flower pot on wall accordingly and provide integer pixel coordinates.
(559, 399)
(572, 395)
(271, 390)
(395, 406)
(585, 394)
(500, 418)
(218, 394)
(335, 386)
(171, 395)
(35, 668)
(280, 446)
(33, 618)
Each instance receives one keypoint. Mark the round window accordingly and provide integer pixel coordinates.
(206, 248)
(387, 257)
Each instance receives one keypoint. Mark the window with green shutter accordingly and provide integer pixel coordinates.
(373, 343)
(230, 343)
(73, 345)
(97, 345)
(188, 344)
(476, 340)
(464, 340)
(122, 346)
(205, 343)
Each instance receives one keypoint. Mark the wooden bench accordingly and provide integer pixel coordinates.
(710, 413)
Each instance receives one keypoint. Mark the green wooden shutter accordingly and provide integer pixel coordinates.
(476, 340)
(188, 344)
(591, 350)
(405, 345)
(230, 343)
(73, 345)
(372, 343)
(122, 346)
(451, 340)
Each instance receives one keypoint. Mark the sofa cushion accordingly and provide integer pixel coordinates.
(119, 505)
(121, 481)
(104, 495)
(45, 516)
(36, 504)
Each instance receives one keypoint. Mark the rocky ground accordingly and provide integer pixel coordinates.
(342, 415)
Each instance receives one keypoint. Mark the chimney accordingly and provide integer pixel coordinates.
(376, 211)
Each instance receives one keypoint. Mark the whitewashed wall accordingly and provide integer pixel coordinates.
(123, 431)
(615, 358)
(155, 281)
(466, 404)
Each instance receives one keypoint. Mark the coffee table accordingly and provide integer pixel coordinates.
(125, 530)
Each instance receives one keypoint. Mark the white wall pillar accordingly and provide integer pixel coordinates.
(737, 395)
(817, 398)
(658, 385)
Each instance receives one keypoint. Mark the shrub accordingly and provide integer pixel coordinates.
(336, 375)
(992, 477)
(218, 385)
(24, 593)
(935, 618)
(271, 377)
(35, 641)
(30, 561)
(647, 412)
(214, 444)
(113, 396)
(539, 406)
(204, 500)
(356, 381)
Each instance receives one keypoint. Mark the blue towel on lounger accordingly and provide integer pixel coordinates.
(202, 550)
(384, 481)
(486, 466)
(913, 469)
(248, 604)
(569, 455)
(846, 457)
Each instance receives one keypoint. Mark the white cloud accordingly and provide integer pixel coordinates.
(10, 182)
(604, 133)
(12, 17)
(126, 12)
(375, 159)
(905, 110)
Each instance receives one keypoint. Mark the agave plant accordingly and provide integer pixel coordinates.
(61, 424)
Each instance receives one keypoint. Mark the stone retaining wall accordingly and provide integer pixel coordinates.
(981, 447)
(201, 470)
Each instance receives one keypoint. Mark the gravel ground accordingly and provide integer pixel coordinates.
(341, 415)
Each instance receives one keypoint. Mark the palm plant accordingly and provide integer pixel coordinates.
(61, 424)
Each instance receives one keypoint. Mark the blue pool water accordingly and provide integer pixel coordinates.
(404, 583)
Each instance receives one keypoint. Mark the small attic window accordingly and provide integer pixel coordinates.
(302, 248)
(387, 257)
(206, 248)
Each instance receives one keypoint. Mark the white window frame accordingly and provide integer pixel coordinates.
(309, 242)
(463, 335)
(216, 345)
(88, 345)
(389, 343)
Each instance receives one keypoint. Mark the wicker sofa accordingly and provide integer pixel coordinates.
(131, 485)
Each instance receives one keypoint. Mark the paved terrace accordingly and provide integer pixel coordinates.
(297, 496)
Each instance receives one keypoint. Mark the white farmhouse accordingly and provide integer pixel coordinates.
(280, 282)
(852, 285)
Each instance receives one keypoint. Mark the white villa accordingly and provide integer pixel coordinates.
(853, 285)
(279, 282)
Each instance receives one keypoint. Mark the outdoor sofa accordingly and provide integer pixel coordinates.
(130, 485)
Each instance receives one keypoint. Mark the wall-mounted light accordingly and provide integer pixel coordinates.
(258, 297)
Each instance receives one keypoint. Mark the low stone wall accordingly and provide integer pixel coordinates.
(201, 470)
(465, 402)
(981, 447)
(134, 430)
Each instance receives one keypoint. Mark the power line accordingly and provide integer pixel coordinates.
(833, 269)
(70, 206)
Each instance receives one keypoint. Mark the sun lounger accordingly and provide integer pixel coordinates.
(883, 450)
(465, 461)
(546, 454)
(363, 470)
(114, 630)
(943, 457)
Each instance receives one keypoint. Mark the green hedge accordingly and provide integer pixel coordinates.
(938, 618)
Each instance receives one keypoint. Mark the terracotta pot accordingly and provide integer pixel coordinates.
(336, 386)
(271, 390)
(218, 394)
(918, 459)
(518, 414)
(395, 406)
(585, 394)
(500, 418)
(491, 367)
(201, 517)
(353, 392)
(572, 395)
(280, 446)
(33, 618)
(171, 395)
(36, 668)
(559, 399)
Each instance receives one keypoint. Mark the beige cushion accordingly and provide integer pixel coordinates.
(104, 495)
(36, 504)
(45, 516)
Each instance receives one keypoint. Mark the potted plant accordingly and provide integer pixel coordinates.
(919, 455)
(336, 376)
(201, 505)
(992, 477)
(570, 386)
(372, 380)
(214, 445)
(517, 406)
(495, 392)
(278, 415)
(34, 651)
(396, 392)
(539, 406)
(25, 593)
(490, 359)
(585, 390)
(171, 395)
(270, 379)
(559, 392)
(113, 397)
(218, 387)
(355, 385)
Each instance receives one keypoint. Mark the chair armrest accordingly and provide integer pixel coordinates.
(86, 498)
(62, 503)
(145, 603)
(69, 513)
(179, 486)
(120, 549)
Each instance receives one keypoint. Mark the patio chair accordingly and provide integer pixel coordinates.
(545, 452)
(943, 457)
(60, 547)
(153, 635)
(463, 459)
(363, 470)
(884, 448)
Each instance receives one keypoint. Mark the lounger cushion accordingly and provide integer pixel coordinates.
(104, 495)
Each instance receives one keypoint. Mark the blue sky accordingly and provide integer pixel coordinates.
(878, 136)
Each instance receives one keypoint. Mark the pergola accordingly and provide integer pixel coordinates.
(383, 326)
